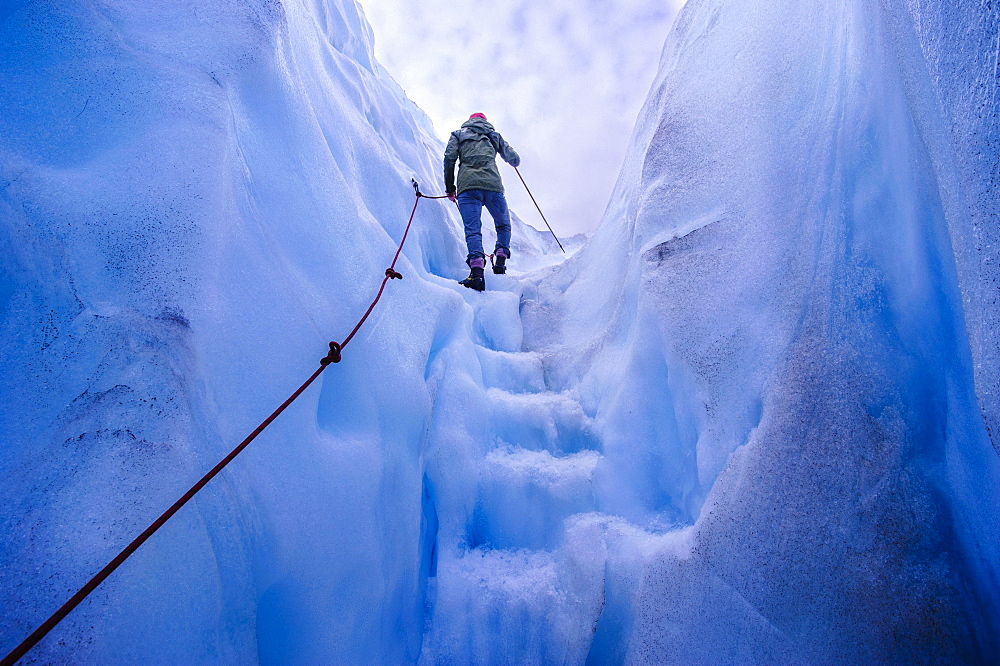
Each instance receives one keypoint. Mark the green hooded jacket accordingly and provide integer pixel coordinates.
(476, 146)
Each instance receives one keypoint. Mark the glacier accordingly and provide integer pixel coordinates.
(751, 419)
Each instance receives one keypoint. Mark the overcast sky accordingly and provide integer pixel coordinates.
(561, 80)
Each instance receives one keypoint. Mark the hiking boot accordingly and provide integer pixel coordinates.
(500, 264)
(475, 280)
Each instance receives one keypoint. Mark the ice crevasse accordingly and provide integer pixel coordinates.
(749, 421)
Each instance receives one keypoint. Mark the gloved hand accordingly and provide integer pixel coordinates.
(452, 197)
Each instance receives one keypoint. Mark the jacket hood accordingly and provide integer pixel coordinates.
(479, 125)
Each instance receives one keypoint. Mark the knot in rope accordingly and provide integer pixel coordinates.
(333, 356)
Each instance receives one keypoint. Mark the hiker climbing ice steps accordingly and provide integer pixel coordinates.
(475, 147)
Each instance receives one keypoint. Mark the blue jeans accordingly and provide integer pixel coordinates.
(470, 204)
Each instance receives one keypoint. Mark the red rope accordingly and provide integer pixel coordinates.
(64, 610)
(390, 273)
(333, 356)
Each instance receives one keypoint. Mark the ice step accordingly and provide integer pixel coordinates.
(514, 607)
(496, 318)
(524, 497)
(514, 372)
(554, 422)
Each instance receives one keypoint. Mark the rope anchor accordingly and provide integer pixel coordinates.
(393, 275)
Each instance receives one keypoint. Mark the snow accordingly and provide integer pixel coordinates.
(745, 422)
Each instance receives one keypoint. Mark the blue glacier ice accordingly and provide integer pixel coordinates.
(752, 419)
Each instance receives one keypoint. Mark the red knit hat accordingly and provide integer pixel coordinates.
(478, 115)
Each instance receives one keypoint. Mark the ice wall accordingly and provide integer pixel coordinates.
(775, 344)
(194, 198)
(960, 44)
(741, 425)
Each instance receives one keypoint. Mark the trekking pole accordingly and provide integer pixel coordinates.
(539, 210)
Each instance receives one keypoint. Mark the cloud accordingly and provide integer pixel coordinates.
(562, 81)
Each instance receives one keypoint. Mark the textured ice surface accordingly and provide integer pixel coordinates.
(740, 425)
(781, 359)
(196, 197)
